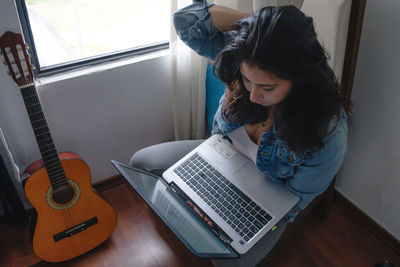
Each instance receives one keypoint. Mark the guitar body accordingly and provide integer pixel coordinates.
(68, 218)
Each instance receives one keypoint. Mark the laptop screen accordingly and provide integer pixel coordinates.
(178, 216)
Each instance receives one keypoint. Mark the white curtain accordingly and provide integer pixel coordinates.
(188, 71)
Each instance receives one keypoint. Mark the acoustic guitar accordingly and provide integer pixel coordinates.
(71, 218)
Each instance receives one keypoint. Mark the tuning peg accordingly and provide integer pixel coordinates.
(26, 46)
(33, 67)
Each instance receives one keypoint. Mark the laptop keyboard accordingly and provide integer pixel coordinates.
(239, 211)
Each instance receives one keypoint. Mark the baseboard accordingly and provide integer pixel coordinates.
(108, 183)
(366, 222)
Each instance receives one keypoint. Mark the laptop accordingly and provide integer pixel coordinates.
(241, 203)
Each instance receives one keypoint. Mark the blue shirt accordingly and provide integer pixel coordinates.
(305, 176)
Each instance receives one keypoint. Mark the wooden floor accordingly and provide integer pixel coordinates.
(141, 239)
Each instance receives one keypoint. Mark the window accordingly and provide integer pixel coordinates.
(68, 33)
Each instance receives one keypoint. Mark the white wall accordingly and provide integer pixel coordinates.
(370, 176)
(102, 115)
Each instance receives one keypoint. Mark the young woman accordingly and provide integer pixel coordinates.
(281, 107)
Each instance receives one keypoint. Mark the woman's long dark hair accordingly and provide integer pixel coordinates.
(283, 41)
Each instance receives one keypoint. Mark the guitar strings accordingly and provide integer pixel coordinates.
(67, 217)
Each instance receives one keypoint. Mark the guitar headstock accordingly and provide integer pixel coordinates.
(16, 58)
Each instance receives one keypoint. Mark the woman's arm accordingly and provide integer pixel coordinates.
(195, 27)
(225, 18)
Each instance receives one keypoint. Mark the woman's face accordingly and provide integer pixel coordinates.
(264, 87)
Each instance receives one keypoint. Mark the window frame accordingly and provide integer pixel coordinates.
(70, 65)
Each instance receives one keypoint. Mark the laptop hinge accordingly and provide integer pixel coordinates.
(218, 231)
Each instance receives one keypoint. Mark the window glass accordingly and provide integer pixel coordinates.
(69, 30)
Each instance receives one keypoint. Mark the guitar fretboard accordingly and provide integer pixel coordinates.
(45, 142)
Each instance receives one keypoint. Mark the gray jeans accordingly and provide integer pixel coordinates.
(160, 157)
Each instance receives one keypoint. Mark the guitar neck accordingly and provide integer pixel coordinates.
(43, 137)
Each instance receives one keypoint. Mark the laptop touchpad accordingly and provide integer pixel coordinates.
(250, 177)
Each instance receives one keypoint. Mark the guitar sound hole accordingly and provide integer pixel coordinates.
(63, 194)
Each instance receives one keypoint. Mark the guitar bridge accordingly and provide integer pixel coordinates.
(75, 229)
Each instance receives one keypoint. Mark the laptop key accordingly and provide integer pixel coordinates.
(250, 235)
(218, 174)
(240, 193)
(253, 229)
(268, 217)
(261, 219)
(258, 224)
(185, 163)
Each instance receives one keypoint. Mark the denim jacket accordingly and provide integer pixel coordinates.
(305, 176)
